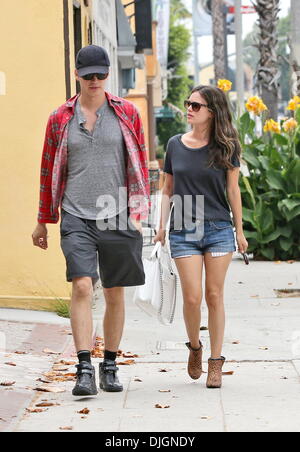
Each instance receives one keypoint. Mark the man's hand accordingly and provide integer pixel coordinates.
(40, 235)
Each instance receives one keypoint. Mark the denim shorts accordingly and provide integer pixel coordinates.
(205, 237)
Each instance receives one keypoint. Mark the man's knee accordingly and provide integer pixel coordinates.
(114, 294)
(82, 287)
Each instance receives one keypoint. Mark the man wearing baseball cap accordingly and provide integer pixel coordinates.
(94, 168)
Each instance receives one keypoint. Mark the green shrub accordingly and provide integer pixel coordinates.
(271, 193)
(62, 309)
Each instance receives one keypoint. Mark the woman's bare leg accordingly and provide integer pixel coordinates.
(190, 272)
(216, 269)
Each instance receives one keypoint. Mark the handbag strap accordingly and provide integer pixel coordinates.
(156, 250)
(167, 243)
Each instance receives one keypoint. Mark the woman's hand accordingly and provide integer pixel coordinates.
(242, 242)
(160, 237)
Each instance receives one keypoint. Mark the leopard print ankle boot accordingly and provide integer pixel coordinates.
(214, 378)
(195, 361)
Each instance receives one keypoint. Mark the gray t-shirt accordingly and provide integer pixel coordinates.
(96, 166)
(193, 177)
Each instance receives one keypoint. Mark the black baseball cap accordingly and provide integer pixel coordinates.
(92, 60)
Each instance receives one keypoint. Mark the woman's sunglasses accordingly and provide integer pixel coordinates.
(91, 76)
(196, 106)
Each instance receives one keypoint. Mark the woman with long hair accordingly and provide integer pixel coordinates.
(202, 184)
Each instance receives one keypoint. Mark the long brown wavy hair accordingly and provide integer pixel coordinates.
(224, 140)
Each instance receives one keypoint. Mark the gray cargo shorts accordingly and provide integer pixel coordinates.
(118, 252)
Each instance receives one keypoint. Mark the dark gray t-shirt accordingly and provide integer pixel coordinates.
(192, 176)
(96, 182)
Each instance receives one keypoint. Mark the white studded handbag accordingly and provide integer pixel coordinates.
(158, 296)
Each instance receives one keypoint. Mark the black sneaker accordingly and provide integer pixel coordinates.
(86, 381)
(109, 381)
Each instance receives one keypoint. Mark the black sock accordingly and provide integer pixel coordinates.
(110, 355)
(84, 355)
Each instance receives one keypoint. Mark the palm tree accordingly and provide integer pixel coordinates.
(219, 35)
(268, 73)
(295, 41)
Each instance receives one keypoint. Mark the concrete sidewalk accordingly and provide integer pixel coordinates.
(262, 346)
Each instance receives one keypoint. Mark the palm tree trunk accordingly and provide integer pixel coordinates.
(268, 73)
(295, 41)
(219, 34)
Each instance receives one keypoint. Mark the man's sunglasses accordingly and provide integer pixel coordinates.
(91, 76)
(196, 106)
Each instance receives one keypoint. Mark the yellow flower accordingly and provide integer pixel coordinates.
(256, 105)
(272, 126)
(294, 103)
(225, 85)
(290, 125)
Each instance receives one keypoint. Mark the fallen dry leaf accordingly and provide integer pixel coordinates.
(129, 362)
(205, 418)
(236, 342)
(84, 411)
(138, 379)
(164, 390)
(60, 368)
(66, 428)
(263, 348)
(45, 404)
(35, 410)
(54, 389)
(7, 383)
(59, 376)
(231, 372)
(130, 355)
(164, 370)
(158, 405)
(65, 363)
(50, 352)
(20, 353)
(43, 380)
(10, 364)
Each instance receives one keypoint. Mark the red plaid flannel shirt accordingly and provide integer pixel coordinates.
(54, 159)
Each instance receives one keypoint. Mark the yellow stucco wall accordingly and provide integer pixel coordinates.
(32, 61)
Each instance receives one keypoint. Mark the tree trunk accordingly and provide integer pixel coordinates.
(295, 41)
(268, 73)
(219, 35)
